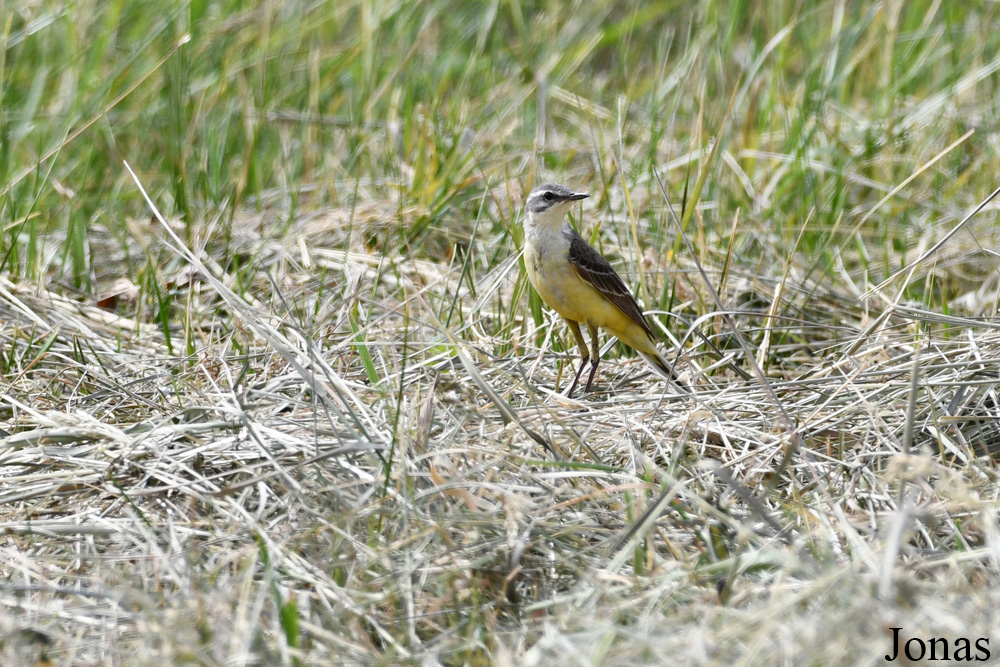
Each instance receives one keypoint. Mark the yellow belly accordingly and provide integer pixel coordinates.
(566, 293)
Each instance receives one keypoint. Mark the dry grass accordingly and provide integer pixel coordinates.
(300, 406)
(175, 505)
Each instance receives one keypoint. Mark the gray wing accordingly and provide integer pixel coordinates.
(594, 270)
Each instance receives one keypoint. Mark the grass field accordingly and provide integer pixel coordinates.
(301, 407)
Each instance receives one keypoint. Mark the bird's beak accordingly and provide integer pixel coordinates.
(578, 195)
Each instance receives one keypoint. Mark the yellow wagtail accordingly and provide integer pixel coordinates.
(579, 284)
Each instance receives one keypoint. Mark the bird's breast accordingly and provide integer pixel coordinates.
(550, 272)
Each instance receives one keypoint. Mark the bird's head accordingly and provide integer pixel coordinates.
(548, 203)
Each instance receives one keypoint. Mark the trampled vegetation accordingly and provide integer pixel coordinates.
(301, 406)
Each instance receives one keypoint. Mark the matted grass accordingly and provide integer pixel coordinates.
(301, 406)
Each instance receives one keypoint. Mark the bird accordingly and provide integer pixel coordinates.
(574, 279)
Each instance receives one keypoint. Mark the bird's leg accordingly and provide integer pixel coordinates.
(595, 357)
(582, 344)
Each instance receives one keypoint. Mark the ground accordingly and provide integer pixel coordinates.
(276, 389)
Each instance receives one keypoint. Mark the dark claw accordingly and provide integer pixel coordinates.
(593, 372)
(583, 364)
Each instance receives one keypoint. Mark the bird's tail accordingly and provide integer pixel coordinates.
(663, 368)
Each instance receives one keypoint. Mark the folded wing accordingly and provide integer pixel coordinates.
(594, 270)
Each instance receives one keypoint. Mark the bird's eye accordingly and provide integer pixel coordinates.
(548, 196)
